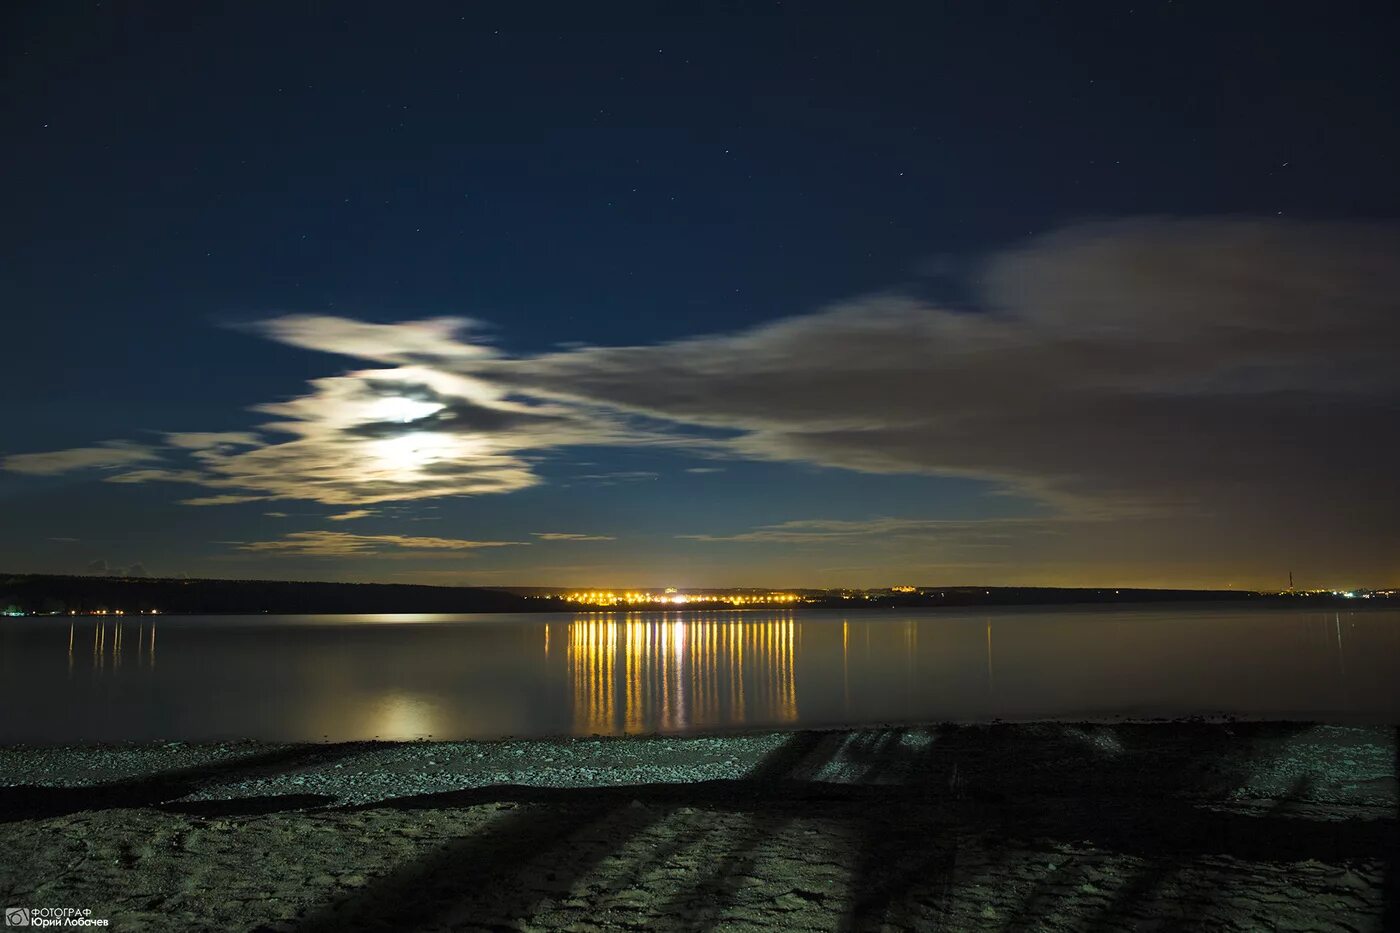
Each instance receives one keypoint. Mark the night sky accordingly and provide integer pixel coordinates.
(702, 294)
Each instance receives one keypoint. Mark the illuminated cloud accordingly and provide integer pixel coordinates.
(208, 440)
(110, 454)
(1236, 375)
(352, 515)
(343, 544)
(226, 499)
(565, 536)
(406, 343)
(398, 434)
(371, 436)
(982, 532)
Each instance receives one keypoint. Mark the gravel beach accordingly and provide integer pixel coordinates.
(1202, 825)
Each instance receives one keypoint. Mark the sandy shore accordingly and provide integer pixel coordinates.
(1038, 826)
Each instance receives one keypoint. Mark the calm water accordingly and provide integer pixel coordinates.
(403, 677)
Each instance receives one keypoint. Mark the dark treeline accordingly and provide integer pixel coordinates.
(1027, 596)
(44, 593)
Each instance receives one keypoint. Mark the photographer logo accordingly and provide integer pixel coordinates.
(43, 918)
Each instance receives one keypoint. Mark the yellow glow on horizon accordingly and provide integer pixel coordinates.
(670, 597)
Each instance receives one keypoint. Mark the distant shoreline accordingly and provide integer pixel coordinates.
(876, 609)
(42, 595)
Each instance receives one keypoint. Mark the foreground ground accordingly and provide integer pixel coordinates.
(1049, 826)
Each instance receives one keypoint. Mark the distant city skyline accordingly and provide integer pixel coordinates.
(1092, 297)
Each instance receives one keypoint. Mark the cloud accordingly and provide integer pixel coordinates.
(409, 342)
(1214, 368)
(108, 455)
(225, 499)
(208, 440)
(619, 476)
(343, 544)
(704, 469)
(989, 532)
(157, 475)
(566, 536)
(407, 433)
(352, 515)
(1235, 375)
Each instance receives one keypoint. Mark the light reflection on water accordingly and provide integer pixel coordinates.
(636, 674)
(107, 642)
(400, 677)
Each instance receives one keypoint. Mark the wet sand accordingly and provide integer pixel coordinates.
(1185, 825)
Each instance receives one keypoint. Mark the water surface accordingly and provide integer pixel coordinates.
(413, 676)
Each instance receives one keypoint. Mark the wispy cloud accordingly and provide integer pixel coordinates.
(566, 536)
(212, 440)
(108, 455)
(224, 499)
(412, 432)
(344, 544)
(1225, 370)
(989, 532)
(352, 515)
(619, 476)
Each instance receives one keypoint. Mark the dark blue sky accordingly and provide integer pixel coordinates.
(614, 175)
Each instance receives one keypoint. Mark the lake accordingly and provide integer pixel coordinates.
(451, 677)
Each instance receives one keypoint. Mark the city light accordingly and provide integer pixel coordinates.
(672, 597)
